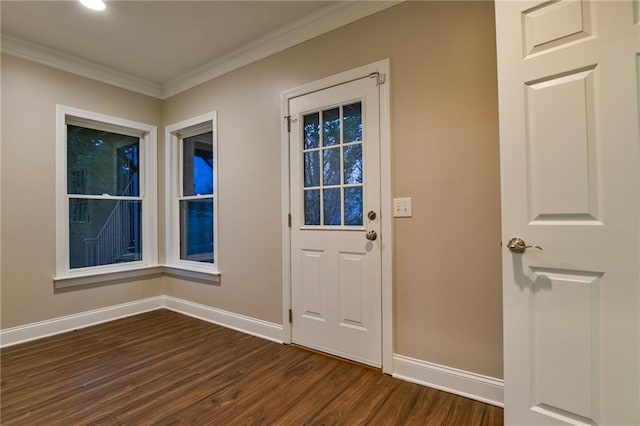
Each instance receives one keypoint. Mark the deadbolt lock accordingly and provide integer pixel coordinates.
(372, 215)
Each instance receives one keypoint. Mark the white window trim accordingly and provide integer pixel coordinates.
(173, 134)
(148, 188)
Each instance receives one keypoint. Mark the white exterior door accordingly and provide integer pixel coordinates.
(335, 229)
(569, 146)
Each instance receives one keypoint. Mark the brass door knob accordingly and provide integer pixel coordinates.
(372, 235)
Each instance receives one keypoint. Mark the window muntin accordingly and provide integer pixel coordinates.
(192, 194)
(104, 213)
(332, 150)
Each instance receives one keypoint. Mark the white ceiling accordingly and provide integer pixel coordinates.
(163, 47)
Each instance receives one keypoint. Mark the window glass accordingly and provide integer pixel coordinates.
(353, 205)
(103, 190)
(312, 168)
(312, 207)
(353, 164)
(352, 122)
(100, 162)
(196, 202)
(331, 127)
(331, 166)
(192, 219)
(333, 170)
(331, 202)
(110, 234)
(196, 230)
(311, 131)
(197, 165)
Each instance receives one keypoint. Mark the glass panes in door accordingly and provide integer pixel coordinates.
(333, 166)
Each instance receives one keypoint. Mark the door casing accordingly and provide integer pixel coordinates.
(382, 68)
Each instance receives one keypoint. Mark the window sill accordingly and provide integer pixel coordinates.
(206, 277)
(104, 277)
(140, 272)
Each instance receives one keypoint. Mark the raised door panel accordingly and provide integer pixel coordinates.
(554, 23)
(565, 319)
(312, 261)
(562, 156)
(352, 290)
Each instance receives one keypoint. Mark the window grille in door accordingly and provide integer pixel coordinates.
(333, 168)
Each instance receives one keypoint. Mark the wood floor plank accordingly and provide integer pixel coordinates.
(285, 388)
(108, 370)
(354, 405)
(165, 368)
(431, 407)
(308, 404)
(397, 407)
(220, 392)
(155, 387)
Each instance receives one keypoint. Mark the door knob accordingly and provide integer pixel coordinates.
(372, 235)
(517, 245)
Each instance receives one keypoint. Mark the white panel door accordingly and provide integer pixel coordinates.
(570, 160)
(335, 240)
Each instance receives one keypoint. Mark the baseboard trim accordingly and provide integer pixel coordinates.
(253, 326)
(38, 330)
(464, 383)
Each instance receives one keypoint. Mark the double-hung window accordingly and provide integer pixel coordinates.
(105, 184)
(191, 156)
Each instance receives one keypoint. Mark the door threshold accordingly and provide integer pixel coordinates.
(339, 358)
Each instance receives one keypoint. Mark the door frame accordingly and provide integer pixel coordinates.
(386, 228)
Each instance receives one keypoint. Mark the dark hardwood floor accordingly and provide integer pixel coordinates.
(166, 368)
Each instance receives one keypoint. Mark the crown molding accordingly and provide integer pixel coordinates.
(322, 21)
(62, 61)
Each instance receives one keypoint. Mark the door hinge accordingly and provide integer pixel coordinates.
(290, 315)
(380, 77)
(289, 220)
(288, 118)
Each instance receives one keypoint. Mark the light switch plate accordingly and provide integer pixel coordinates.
(402, 207)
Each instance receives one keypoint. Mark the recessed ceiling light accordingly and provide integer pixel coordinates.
(93, 4)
